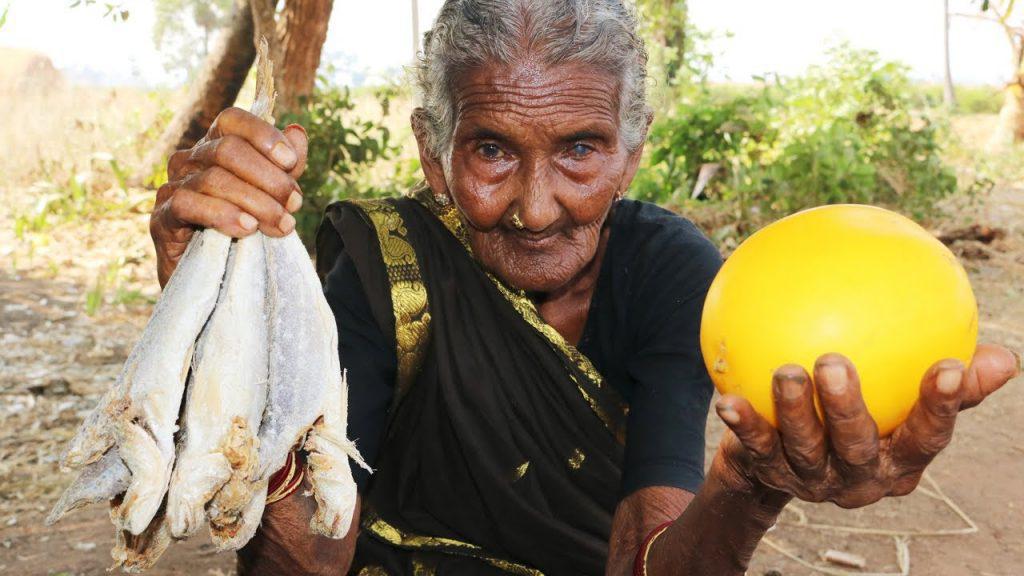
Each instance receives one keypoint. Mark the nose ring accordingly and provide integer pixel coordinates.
(517, 222)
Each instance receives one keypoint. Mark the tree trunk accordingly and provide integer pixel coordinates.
(296, 39)
(264, 19)
(674, 36)
(215, 88)
(301, 32)
(1010, 128)
(948, 94)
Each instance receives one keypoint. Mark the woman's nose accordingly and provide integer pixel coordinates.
(538, 207)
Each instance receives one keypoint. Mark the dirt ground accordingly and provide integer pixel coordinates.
(56, 359)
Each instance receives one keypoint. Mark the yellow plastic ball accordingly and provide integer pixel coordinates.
(858, 280)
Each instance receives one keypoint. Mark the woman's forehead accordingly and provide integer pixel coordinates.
(526, 92)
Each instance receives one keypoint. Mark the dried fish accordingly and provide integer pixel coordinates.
(245, 325)
(100, 481)
(140, 411)
(225, 401)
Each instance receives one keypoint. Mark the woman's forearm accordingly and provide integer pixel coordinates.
(719, 531)
(284, 544)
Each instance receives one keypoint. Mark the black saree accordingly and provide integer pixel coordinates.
(503, 448)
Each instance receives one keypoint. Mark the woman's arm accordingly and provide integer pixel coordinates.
(283, 544)
(719, 530)
(698, 541)
(759, 468)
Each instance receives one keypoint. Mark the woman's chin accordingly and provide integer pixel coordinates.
(537, 274)
(546, 268)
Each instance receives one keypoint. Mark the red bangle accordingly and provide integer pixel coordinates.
(287, 480)
(640, 563)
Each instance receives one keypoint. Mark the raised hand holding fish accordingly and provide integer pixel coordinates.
(245, 325)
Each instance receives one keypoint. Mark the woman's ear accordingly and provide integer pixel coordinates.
(433, 170)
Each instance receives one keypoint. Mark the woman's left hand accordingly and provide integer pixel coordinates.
(843, 460)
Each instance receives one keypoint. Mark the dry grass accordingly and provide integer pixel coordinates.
(55, 133)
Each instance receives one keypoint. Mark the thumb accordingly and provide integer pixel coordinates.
(991, 367)
(297, 137)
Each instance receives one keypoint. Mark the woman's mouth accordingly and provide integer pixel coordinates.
(534, 241)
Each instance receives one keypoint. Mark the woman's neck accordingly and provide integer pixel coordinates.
(566, 308)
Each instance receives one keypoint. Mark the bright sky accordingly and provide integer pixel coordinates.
(752, 37)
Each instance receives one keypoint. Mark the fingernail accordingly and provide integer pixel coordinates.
(835, 378)
(791, 387)
(294, 202)
(948, 381)
(727, 413)
(247, 222)
(287, 223)
(283, 155)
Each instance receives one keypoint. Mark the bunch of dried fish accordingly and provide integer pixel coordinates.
(237, 366)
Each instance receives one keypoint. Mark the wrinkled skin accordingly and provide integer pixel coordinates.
(544, 144)
(239, 178)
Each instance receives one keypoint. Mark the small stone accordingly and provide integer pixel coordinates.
(846, 559)
(12, 520)
(78, 341)
(84, 546)
(54, 387)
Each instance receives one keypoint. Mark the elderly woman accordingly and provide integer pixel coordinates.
(522, 341)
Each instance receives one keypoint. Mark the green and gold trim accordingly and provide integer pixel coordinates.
(408, 293)
(382, 530)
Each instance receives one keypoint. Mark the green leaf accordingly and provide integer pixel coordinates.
(3, 15)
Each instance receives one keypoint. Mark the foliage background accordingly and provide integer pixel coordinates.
(852, 129)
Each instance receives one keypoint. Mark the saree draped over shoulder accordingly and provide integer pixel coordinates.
(503, 447)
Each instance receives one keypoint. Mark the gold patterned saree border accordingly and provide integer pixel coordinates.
(408, 293)
(382, 530)
(449, 216)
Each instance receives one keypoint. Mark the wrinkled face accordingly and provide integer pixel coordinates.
(542, 144)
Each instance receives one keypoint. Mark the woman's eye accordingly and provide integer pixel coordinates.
(491, 151)
(580, 150)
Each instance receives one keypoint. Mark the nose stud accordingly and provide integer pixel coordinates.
(517, 222)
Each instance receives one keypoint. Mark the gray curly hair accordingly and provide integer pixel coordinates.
(468, 33)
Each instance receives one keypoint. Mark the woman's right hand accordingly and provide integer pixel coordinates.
(239, 178)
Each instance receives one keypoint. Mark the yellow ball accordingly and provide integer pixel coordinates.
(858, 280)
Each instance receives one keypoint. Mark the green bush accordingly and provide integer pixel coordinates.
(848, 131)
(343, 149)
(708, 130)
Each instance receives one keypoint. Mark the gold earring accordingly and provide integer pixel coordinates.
(517, 222)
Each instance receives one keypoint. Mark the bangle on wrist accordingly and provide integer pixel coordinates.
(640, 564)
(287, 480)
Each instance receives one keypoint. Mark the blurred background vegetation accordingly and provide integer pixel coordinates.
(732, 156)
